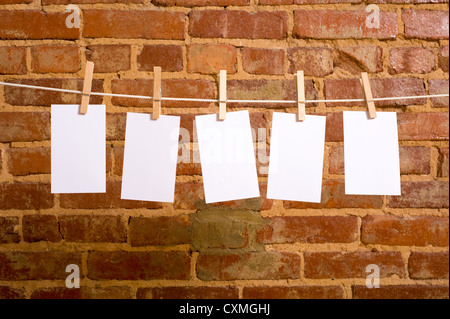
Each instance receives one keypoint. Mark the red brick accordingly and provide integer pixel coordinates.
(294, 292)
(83, 293)
(333, 196)
(256, 265)
(359, 59)
(24, 96)
(238, 24)
(188, 195)
(211, 58)
(118, 160)
(26, 161)
(138, 265)
(190, 168)
(423, 265)
(11, 293)
(281, 2)
(93, 229)
(342, 24)
(311, 229)
(443, 162)
(405, 230)
(26, 195)
(55, 58)
(39, 227)
(402, 292)
(109, 58)
(352, 264)
(33, 24)
(13, 60)
(443, 58)
(160, 230)
(424, 194)
(170, 88)
(263, 61)
(426, 24)
(313, 61)
(115, 126)
(411, 60)
(422, 126)
(8, 230)
(201, 3)
(334, 131)
(262, 89)
(139, 24)
(408, 1)
(351, 89)
(110, 199)
(50, 2)
(438, 86)
(188, 293)
(24, 126)
(46, 265)
(15, 1)
(168, 57)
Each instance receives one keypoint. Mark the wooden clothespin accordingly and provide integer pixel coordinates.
(301, 100)
(222, 95)
(368, 95)
(87, 85)
(156, 92)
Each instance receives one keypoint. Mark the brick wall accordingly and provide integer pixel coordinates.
(255, 248)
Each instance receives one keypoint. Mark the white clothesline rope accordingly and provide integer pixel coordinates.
(217, 100)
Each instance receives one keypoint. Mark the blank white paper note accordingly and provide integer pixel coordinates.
(227, 157)
(150, 158)
(371, 154)
(296, 158)
(78, 149)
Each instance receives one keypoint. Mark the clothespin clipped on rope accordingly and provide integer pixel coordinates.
(156, 92)
(301, 100)
(87, 86)
(222, 95)
(368, 95)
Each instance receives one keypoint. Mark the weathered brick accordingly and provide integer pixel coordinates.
(162, 230)
(257, 265)
(48, 265)
(422, 126)
(13, 60)
(110, 199)
(24, 126)
(426, 24)
(34, 24)
(333, 196)
(411, 60)
(109, 58)
(310, 229)
(263, 61)
(50, 2)
(342, 24)
(83, 293)
(115, 126)
(170, 88)
(39, 227)
(55, 58)
(26, 161)
(138, 265)
(24, 96)
(93, 229)
(139, 24)
(168, 57)
(294, 292)
(352, 264)
(359, 59)
(423, 265)
(443, 58)
(334, 128)
(401, 292)
(25, 195)
(423, 194)
(351, 89)
(238, 24)
(15, 1)
(443, 162)
(11, 293)
(211, 58)
(405, 230)
(438, 86)
(188, 293)
(9, 230)
(201, 3)
(313, 61)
